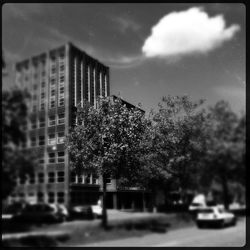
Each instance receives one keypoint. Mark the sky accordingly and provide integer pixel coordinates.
(153, 50)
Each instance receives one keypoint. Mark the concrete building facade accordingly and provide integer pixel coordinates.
(58, 81)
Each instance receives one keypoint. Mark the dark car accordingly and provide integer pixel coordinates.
(81, 212)
(8, 212)
(39, 213)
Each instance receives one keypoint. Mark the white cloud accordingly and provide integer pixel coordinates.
(187, 32)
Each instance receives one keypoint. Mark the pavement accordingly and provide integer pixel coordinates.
(66, 228)
(186, 237)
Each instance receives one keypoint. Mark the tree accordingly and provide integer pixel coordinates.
(225, 155)
(15, 161)
(177, 142)
(106, 141)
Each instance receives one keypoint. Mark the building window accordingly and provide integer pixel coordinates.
(42, 122)
(60, 138)
(31, 178)
(61, 119)
(33, 124)
(52, 82)
(62, 67)
(53, 92)
(52, 103)
(60, 157)
(51, 197)
(52, 139)
(60, 176)
(33, 141)
(41, 161)
(52, 158)
(40, 197)
(61, 101)
(80, 179)
(41, 140)
(51, 176)
(95, 179)
(88, 179)
(43, 84)
(108, 180)
(73, 177)
(61, 78)
(61, 90)
(34, 108)
(40, 177)
(52, 120)
(42, 106)
(60, 197)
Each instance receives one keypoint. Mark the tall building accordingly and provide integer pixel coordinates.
(58, 81)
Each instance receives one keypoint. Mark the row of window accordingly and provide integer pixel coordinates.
(53, 197)
(52, 177)
(52, 140)
(52, 121)
(87, 179)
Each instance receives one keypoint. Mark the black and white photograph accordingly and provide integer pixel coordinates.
(124, 125)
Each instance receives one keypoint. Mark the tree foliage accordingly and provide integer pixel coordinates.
(107, 140)
(178, 140)
(15, 161)
(225, 155)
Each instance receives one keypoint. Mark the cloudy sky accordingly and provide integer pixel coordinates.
(152, 49)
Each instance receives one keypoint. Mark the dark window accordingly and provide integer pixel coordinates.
(40, 197)
(52, 120)
(51, 197)
(33, 141)
(41, 177)
(60, 176)
(60, 157)
(31, 178)
(73, 177)
(41, 122)
(60, 197)
(52, 158)
(33, 124)
(41, 140)
(87, 179)
(51, 177)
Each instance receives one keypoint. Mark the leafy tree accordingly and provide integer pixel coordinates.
(15, 161)
(177, 143)
(107, 142)
(225, 155)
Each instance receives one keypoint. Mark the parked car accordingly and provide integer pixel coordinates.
(97, 210)
(12, 210)
(215, 216)
(81, 212)
(199, 202)
(40, 213)
(62, 210)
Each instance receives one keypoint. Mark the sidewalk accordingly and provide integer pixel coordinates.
(115, 218)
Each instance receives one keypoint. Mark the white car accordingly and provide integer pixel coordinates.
(194, 207)
(97, 211)
(216, 216)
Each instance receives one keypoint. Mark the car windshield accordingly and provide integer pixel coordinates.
(195, 204)
(206, 211)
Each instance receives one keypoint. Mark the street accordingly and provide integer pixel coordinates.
(188, 237)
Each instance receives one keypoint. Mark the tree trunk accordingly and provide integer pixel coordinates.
(225, 192)
(104, 209)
